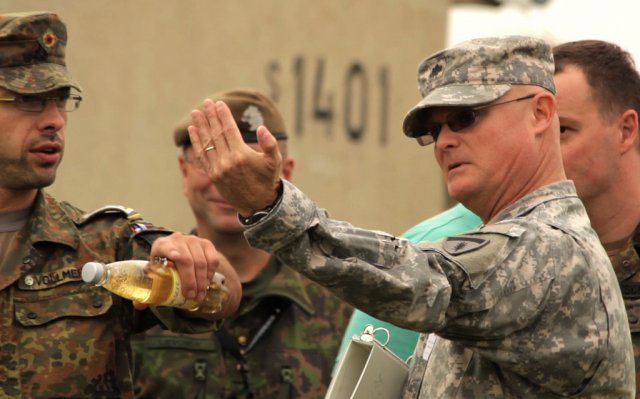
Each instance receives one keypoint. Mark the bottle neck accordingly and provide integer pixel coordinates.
(105, 277)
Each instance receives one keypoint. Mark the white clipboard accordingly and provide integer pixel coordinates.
(368, 370)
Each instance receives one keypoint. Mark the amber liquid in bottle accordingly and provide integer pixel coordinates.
(153, 283)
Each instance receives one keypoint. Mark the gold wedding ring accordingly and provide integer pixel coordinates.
(210, 148)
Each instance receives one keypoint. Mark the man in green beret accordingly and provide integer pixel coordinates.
(283, 340)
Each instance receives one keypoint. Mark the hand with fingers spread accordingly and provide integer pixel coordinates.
(247, 178)
(299, 322)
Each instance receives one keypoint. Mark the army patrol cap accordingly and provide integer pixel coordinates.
(250, 110)
(477, 72)
(32, 53)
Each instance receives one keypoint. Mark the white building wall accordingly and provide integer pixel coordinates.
(557, 21)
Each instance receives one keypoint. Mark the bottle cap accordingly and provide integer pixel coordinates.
(218, 278)
(92, 272)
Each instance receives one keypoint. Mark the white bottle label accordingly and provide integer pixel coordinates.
(176, 299)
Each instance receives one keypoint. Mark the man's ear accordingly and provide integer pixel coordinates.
(288, 165)
(627, 125)
(182, 164)
(545, 110)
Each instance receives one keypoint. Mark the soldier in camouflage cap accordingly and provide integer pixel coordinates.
(62, 337)
(477, 72)
(524, 306)
(283, 340)
(32, 53)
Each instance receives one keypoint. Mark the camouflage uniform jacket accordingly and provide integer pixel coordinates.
(61, 337)
(627, 267)
(528, 305)
(290, 358)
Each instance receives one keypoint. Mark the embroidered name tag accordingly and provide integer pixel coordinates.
(39, 281)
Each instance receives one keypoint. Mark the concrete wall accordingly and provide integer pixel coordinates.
(342, 71)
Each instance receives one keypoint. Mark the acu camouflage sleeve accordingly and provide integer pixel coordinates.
(371, 270)
(439, 287)
(376, 272)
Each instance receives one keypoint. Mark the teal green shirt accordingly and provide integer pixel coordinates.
(402, 342)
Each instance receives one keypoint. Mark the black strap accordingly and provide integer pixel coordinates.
(229, 343)
(630, 289)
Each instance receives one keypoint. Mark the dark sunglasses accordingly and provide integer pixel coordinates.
(459, 119)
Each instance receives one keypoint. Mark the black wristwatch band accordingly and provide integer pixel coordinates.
(261, 214)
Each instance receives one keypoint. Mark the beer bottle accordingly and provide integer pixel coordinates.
(155, 283)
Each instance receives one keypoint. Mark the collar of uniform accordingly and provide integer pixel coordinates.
(550, 192)
(49, 222)
(636, 238)
(626, 263)
(276, 279)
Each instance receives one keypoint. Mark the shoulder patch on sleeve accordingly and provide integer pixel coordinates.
(476, 239)
(110, 209)
(458, 245)
(478, 252)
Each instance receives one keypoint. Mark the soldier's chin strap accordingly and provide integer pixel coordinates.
(230, 344)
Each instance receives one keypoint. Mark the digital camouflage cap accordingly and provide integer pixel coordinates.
(32, 53)
(251, 109)
(477, 72)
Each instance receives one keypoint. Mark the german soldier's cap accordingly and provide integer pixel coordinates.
(32, 53)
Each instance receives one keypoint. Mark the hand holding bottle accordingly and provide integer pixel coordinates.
(195, 259)
(155, 283)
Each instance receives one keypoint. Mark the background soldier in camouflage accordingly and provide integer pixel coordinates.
(283, 340)
(598, 104)
(61, 337)
(527, 304)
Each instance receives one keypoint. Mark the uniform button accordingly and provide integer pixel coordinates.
(32, 315)
(242, 340)
(28, 280)
(287, 375)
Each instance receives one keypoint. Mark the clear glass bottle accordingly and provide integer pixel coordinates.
(155, 283)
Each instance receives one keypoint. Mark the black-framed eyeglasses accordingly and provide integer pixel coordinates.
(460, 119)
(35, 103)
